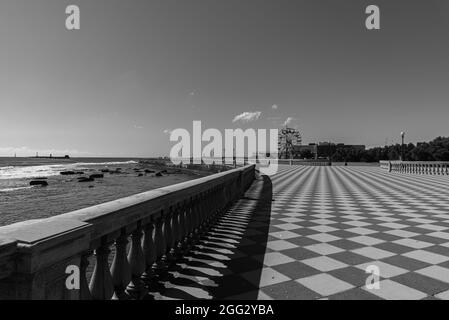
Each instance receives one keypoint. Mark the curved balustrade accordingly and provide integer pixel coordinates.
(130, 241)
(302, 162)
(416, 167)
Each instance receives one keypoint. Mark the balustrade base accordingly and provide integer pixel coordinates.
(136, 289)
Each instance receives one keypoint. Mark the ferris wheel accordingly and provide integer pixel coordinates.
(288, 138)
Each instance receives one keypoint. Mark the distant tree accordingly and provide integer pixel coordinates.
(306, 154)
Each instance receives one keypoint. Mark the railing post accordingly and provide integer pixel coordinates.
(159, 241)
(182, 229)
(149, 251)
(169, 238)
(121, 270)
(84, 286)
(136, 261)
(101, 286)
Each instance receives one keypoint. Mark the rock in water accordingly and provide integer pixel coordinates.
(39, 183)
(96, 176)
(84, 179)
(67, 173)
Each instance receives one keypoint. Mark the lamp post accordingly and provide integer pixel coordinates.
(402, 145)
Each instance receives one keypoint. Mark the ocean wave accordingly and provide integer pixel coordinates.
(23, 172)
(14, 189)
(113, 163)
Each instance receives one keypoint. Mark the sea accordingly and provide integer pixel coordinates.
(64, 193)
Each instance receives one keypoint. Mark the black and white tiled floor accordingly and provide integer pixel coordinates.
(311, 232)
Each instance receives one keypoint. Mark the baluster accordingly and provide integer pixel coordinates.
(189, 226)
(185, 226)
(208, 211)
(196, 220)
(84, 286)
(159, 241)
(149, 251)
(121, 270)
(182, 229)
(168, 232)
(136, 261)
(101, 286)
(203, 214)
(176, 232)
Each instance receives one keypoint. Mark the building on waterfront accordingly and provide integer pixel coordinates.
(323, 150)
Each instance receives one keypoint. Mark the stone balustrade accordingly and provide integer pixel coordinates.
(416, 167)
(303, 162)
(129, 242)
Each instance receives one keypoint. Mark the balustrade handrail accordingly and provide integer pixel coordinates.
(416, 167)
(35, 253)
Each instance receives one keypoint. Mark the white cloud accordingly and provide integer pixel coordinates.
(288, 121)
(247, 116)
(137, 127)
(274, 107)
(167, 131)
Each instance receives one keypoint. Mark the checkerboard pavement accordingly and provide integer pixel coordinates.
(311, 233)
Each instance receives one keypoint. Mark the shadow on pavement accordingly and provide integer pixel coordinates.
(227, 262)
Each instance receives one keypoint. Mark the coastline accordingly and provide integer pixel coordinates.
(64, 193)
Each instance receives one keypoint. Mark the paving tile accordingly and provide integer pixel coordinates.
(284, 235)
(273, 258)
(279, 245)
(324, 263)
(366, 240)
(422, 283)
(325, 284)
(264, 277)
(373, 253)
(355, 276)
(426, 256)
(324, 248)
(412, 243)
(300, 253)
(443, 295)
(354, 294)
(391, 290)
(435, 272)
(290, 290)
(350, 258)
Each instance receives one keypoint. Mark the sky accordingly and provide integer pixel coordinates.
(138, 69)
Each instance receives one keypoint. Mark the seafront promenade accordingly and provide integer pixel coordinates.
(311, 232)
(307, 232)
